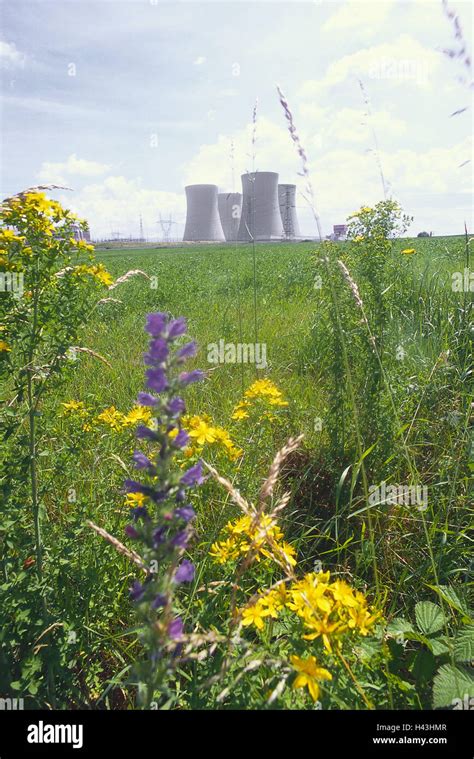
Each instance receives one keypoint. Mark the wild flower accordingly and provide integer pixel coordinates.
(408, 251)
(309, 674)
(202, 432)
(258, 398)
(98, 271)
(161, 522)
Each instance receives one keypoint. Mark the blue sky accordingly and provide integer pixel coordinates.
(126, 102)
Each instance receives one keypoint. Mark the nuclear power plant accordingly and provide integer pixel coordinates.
(287, 201)
(265, 211)
(202, 216)
(261, 218)
(230, 211)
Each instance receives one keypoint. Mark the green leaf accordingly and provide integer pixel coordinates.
(452, 598)
(451, 684)
(439, 645)
(429, 617)
(424, 666)
(464, 644)
(399, 625)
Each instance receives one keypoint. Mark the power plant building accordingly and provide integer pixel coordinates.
(230, 211)
(261, 218)
(202, 215)
(287, 201)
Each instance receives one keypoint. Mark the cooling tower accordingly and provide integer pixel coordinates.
(287, 201)
(202, 214)
(230, 209)
(261, 218)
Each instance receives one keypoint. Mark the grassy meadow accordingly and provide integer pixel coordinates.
(403, 417)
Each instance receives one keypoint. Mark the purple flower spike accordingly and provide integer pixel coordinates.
(159, 536)
(155, 324)
(136, 591)
(187, 351)
(132, 486)
(177, 327)
(146, 399)
(140, 511)
(181, 539)
(142, 461)
(156, 380)
(193, 476)
(131, 532)
(185, 512)
(186, 378)
(145, 433)
(159, 601)
(185, 572)
(175, 628)
(176, 406)
(181, 439)
(157, 352)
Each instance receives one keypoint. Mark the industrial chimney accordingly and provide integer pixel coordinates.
(202, 215)
(287, 201)
(261, 219)
(230, 210)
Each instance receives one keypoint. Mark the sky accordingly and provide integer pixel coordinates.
(127, 102)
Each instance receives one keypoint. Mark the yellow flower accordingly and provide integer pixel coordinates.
(289, 553)
(134, 500)
(96, 270)
(408, 251)
(240, 411)
(254, 615)
(323, 628)
(4, 347)
(112, 417)
(342, 592)
(71, 406)
(309, 674)
(362, 619)
(137, 414)
(203, 433)
(224, 551)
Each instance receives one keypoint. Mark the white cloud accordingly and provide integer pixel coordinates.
(400, 62)
(72, 167)
(116, 203)
(10, 56)
(355, 14)
(199, 60)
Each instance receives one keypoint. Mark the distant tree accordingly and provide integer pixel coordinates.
(423, 234)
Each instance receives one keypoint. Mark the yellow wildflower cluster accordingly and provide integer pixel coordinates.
(95, 270)
(327, 610)
(202, 431)
(408, 251)
(4, 347)
(42, 213)
(261, 390)
(110, 416)
(259, 533)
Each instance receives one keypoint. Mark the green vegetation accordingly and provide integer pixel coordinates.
(381, 388)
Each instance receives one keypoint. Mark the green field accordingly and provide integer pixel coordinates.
(406, 420)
